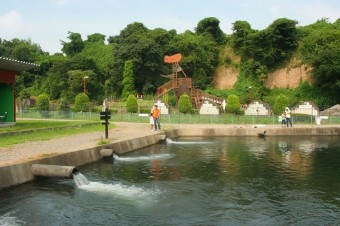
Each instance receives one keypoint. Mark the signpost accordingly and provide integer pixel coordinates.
(105, 115)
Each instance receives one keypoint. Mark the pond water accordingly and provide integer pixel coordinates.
(193, 181)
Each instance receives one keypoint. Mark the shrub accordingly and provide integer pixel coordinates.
(233, 104)
(64, 108)
(184, 104)
(280, 103)
(131, 104)
(43, 105)
(82, 102)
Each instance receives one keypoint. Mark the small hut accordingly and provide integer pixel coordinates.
(9, 68)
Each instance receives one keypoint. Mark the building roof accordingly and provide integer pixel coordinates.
(15, 65)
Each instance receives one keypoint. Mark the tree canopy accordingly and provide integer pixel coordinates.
(102, 61)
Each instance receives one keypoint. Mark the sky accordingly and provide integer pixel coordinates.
(47, 22)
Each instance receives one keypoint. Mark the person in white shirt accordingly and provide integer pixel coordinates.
(288, 117)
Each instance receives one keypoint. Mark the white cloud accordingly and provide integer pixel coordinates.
(11, 22)
(62, 2)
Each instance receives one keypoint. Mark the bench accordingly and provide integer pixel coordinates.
(3, 117)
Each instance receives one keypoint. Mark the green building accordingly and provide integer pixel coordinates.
(9, 68)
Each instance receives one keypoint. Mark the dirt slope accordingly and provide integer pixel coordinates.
(287, 77)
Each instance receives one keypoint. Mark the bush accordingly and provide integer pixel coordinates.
(131, 104)
(233, 104)
(280, 103)
(82, 102)
(43, 103)
(64, 108)
(184, 104)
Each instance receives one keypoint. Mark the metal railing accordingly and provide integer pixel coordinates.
(177, 118)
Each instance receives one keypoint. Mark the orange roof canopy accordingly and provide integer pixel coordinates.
(173, 59)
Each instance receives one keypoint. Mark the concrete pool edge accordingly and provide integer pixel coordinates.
(20, 173)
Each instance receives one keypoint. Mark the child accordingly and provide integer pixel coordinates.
(283, 118)
(151, 122)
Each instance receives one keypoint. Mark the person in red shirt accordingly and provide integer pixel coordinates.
(155, 115)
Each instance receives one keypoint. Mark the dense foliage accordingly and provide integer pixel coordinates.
(184, 104)
(81, 102)
(233, 104)
(43, 103)
(132, 61)
(128, 86)
(131, 104)
(281, 102)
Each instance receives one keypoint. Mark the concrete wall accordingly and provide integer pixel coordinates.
(211, 132)
(21, 172)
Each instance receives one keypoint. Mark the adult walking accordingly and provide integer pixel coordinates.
(288, 117)
(155, 115)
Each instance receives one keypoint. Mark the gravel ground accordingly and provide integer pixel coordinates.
(38, 149)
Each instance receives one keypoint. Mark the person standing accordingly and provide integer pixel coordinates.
(283, 119)
(288, 117)
(155, 115)
(151, 122)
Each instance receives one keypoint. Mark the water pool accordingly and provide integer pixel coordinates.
(193, 181)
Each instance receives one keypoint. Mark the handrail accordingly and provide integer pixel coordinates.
(204, 96)
(166, 87)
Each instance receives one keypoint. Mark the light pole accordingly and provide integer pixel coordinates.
(250, 93)
(85, 77)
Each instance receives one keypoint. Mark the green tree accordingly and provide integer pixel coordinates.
(136, 43)
(25, 94)
(96, 37)
(270, 46)
(184, 104)
(240, 37)
(43, 105)
(76, 45)
(199, 57)
(233, 104)
(321, 48)
(82, 102)
(210, 26)
(281, 102)
(131, 104)
(43, 102)
(128, 86)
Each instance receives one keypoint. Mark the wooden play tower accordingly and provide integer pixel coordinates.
(180, 85)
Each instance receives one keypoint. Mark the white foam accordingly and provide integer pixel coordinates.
(80, 179)
(8, 220)
(170, 141)
(120, 190)
(142, 158)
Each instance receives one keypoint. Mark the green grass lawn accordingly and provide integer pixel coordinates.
(46, 130)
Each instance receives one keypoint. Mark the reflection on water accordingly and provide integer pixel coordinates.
(223, 181)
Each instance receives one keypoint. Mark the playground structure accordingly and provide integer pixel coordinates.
(180, 85)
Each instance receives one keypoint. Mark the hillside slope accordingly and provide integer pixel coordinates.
(288, 77)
